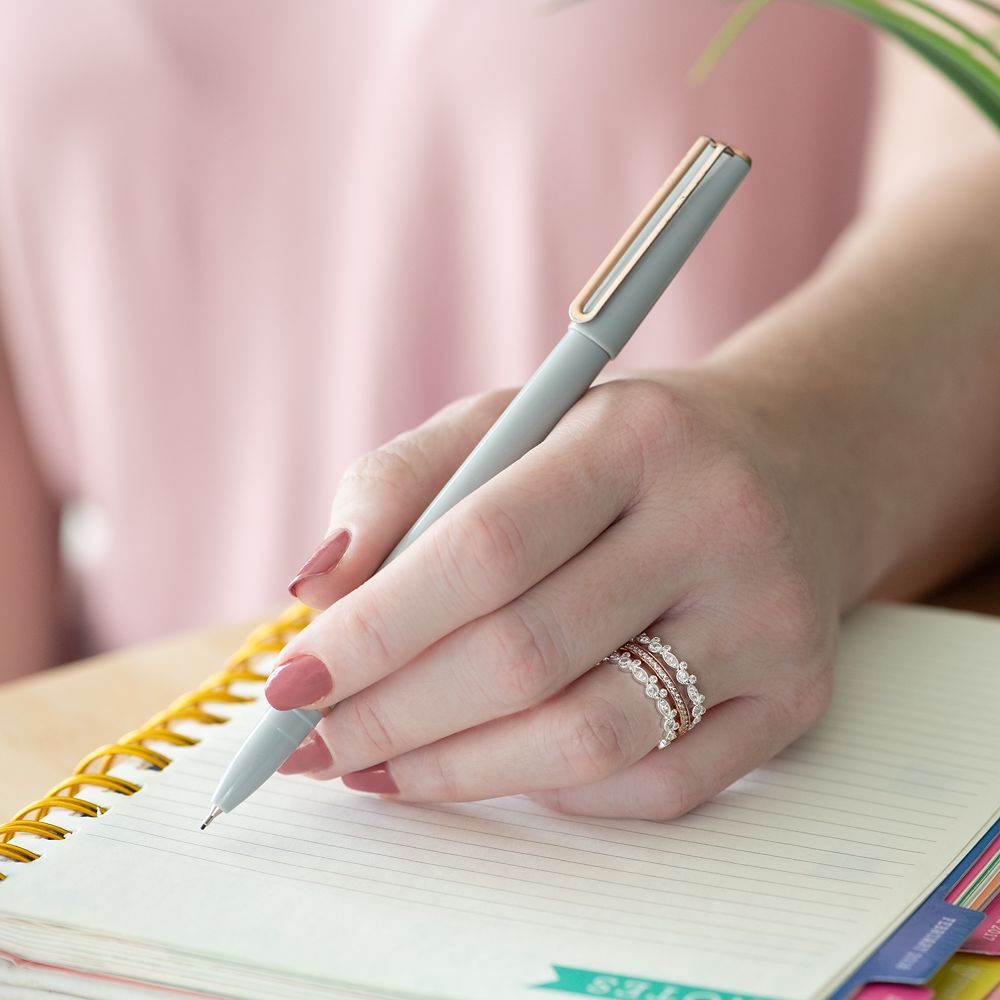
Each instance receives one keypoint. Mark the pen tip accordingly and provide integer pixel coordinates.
(214, 814)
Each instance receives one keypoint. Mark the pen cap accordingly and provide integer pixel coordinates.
(633, 277)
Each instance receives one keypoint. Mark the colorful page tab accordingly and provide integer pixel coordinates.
(933, 933)
(967, 977)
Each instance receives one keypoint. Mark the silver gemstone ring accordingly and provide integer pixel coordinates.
(666, 680)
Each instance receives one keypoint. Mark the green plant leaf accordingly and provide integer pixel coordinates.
(731, 29)
(980, 83)
(977, 80)
(981, 42)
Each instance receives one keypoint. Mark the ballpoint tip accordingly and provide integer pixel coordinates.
(213, 815)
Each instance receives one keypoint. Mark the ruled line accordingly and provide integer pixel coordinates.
(379, 826)
(780, 765)
(681, 824)
(843, 717)
(808, 896)
(729, 804)
(793, 753)
(812, 805)
(667, 833)
(687, 822)
(756, 777)
(657, 900)
(780, 956)
(734, 790)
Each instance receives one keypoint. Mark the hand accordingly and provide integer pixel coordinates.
(466, 668)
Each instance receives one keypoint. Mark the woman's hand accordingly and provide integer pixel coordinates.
(466, 668)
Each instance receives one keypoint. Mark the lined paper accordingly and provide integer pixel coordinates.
(777, 888)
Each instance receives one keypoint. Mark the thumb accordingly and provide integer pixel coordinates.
(382, 493)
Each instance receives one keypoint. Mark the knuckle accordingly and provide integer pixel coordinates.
(368, 721)
(656, 415)
(553, 799)
(754, 528)
(677, 791)
(441, 777)
(363, 627)
(817, 697)
(528, 654)
(798, 623)
(752, 516)
(596, 743)
(799, 704)
(811, 698)
(484, 545)
(651, 423)
(397, 465)
(790, 619)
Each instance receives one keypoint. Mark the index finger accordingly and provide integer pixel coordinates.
(486, 551)
(382, 493)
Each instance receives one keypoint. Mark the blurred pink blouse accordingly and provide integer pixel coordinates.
(243, 242)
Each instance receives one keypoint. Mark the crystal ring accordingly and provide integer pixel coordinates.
(625, 662)
(681, 672)
(666, 680)
(683, 716)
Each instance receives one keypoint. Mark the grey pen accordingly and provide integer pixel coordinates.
(603, 317)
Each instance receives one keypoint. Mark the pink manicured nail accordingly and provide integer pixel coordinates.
(324, 559)
(375, 779)
(311, 755)
(300, 681)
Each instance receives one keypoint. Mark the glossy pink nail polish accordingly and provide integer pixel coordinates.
(311, 755)
(323, 560)
(375, 779)
(300, 681)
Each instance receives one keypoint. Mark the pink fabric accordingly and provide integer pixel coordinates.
(242, 242)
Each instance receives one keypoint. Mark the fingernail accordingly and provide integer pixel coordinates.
(311, 755)
(376, 779)
(324, 559)
(300, 681)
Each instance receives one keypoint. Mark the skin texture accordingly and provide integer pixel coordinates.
(846, 444)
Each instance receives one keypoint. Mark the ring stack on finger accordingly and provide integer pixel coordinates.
(678, 700)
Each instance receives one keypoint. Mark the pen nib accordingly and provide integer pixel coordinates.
(214, 814)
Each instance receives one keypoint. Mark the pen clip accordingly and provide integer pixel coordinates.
(630, 248)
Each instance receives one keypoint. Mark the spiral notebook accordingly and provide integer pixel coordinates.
(783, 887)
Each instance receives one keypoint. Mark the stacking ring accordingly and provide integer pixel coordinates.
(651, 663)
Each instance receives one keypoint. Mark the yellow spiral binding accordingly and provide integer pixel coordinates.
(270, 637)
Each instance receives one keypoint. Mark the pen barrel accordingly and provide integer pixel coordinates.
(267, 747)
(615, 323)
(562, 378)
(654, 251)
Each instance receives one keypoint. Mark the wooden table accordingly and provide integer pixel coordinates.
(51, 720)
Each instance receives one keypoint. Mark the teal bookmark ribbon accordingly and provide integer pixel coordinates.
(585, 982)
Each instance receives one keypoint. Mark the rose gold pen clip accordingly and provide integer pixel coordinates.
(662, 208)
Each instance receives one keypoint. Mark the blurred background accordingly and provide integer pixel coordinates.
(242, 243)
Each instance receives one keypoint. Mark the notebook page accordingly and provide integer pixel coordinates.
(775, 889)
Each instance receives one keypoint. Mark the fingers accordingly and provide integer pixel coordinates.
(600, 724)
(595, 727)
(733, 738)
(498, 612)
(508, 661)
(491, 548)
(598, 746)
(383, 493)
(592, 732)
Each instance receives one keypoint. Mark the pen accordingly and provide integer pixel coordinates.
(603, 317)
